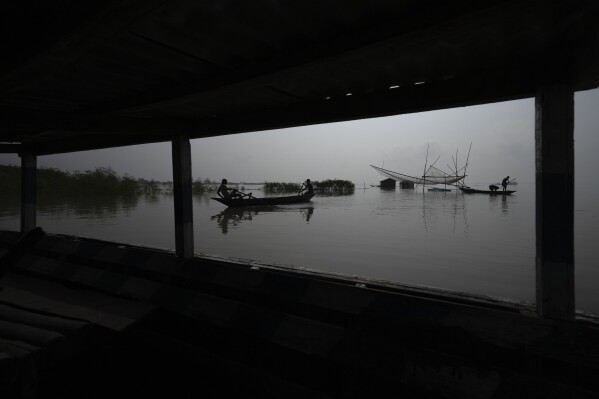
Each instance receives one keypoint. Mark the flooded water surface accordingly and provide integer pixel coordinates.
(475, 243)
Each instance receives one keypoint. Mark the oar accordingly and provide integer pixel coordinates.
(301, 188)
(246, 195)
(254, 198)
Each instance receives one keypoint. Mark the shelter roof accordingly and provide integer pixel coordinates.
(100, 73)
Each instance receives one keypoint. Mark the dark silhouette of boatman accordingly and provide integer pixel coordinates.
(226, 192)
(307, 188)
(504, 183)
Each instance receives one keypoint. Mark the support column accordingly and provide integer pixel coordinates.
(28, 191)
(182, 197)
(554, 142)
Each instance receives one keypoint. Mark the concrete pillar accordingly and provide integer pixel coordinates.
(28, 191)
(182, 197)
(554, 142)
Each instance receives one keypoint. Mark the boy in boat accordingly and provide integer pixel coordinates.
(504, 183)
(493, 187)
(225, 192)
(307, 188)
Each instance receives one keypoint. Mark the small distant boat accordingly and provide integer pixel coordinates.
(251, 201)
(468, 190)
(439, 189)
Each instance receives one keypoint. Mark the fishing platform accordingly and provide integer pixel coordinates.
(82, 317)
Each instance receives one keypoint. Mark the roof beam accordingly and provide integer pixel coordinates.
(10, 148)
(359, 44)
(113, 18)
(100, 131)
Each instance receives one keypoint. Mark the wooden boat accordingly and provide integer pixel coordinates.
(251, 201)
(439, 189)
(468, 190)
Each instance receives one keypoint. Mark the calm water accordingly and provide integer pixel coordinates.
(474, 243)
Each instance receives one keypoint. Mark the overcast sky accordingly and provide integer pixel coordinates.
(502, 137)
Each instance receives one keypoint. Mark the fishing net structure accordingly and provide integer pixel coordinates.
(433, 176)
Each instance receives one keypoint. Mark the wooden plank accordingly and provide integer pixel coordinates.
(350, 305)
(275, 325)
(298, 333)
(235, 371)
(104, 254)
(28, 334)
(320, 298)
(305, 297)
(39, 320)
(103, 280)
(16, 349)
(272, 324)
(5, 358)
(44, 296)
(18, 248)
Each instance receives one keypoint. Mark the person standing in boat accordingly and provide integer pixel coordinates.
(226, 192)
(505, 182)
(307, 188)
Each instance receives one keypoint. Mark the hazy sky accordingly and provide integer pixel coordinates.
(502, 137)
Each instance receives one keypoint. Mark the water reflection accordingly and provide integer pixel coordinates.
(233, 217)
(444, 239)
(88, 207)
(504, 203)
(307, 213)
(57, 205)
(459, 208)
(444, 210)
(203, 198)
(499, 202)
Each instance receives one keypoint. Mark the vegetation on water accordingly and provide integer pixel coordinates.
(274, 187)
(329, 185)
(105, 181)
(98, 181)
(200, 186)
(334, 185)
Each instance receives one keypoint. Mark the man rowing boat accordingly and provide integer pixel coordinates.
(505, 182)
(306, 188)
(226, 192)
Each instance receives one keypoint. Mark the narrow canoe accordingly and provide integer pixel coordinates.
(468, 190)
(439, 189)
(251, 201)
